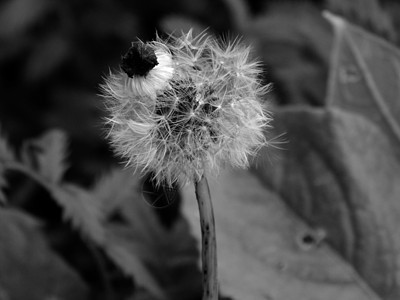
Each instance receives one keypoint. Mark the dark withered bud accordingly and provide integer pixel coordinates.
(139, 60)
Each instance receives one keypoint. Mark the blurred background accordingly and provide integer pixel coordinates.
(335, 99)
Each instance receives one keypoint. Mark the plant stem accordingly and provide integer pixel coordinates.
(208, 239)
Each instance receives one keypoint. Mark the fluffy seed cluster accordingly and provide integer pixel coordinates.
(197, 108)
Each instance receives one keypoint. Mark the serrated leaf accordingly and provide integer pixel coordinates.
(81, 209)
(170, 254)
(114, 187)
(131, 265)
(29, 267)
(86, 211)
(261, 253)
(52, 154)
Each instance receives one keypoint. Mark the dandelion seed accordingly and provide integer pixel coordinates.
(183, 106)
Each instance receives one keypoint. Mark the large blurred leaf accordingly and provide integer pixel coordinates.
(365, 76)
(334, 174)
(365, 82)
(341, 169)
(367, 13)
(29, 268)
(267, 252)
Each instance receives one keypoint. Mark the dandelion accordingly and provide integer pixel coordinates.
(185, 106)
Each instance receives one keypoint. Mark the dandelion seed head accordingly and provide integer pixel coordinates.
(194, 105)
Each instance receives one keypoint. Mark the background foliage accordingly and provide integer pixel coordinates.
(316, 219)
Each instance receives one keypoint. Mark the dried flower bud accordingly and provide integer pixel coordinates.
(199, 108)
(139, 60)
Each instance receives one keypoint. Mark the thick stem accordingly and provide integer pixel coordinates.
(208, 239)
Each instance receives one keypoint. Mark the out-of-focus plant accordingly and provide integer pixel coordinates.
(113, 219)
